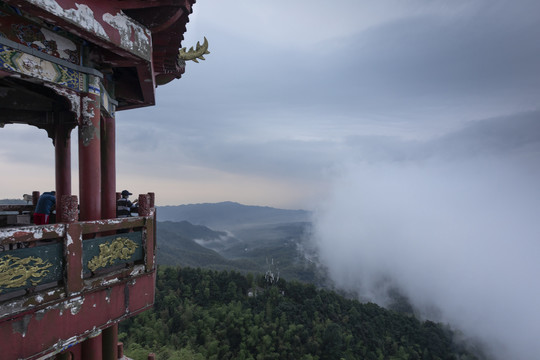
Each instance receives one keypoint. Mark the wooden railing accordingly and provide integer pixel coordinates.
(19, 214)
(75, 257)
(15, 214)
(20, 208)
(62, 285)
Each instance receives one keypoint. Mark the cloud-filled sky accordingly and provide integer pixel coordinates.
(292, 89)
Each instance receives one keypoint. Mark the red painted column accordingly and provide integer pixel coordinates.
(35, 197)
(108, 168)
(110, 342)
(91, 348)
(144, 204)
(152, 199)
(145, 201)
(62, 152)
(89, 154)
(152, 231)
(120, 354)
(72, 245)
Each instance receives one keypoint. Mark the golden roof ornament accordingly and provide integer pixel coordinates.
(194, 54)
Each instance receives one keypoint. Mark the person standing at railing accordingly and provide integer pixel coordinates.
(44, 206)
(124, 206)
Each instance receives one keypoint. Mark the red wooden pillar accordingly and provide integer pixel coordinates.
(152, 199)
(89, 154)
(110, 343)
(145, 201)
(108, 168)
(72, 246)
(120, 354)
(62, 152)
(152, 233)
(91, 348)
(35, 197)
(144, 204)
(69, 209)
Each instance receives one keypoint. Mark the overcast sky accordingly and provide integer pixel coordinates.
(292, 90)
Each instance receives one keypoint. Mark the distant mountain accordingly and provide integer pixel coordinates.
(230, 235)
(200, 234)
(177, 248)
(189, 230)
(177, 244)
(229, 215)
(12, 202)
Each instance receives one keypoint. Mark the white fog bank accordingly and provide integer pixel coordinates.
(457, 234)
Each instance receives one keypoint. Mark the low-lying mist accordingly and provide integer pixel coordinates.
(458, 236)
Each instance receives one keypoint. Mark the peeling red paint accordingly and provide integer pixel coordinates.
(31, 233)
(34, 334)
(73, 255)
(101, 21)
(48, 321)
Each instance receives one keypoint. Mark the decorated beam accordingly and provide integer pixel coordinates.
(101, 22)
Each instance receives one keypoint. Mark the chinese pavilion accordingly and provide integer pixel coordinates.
(68, 65)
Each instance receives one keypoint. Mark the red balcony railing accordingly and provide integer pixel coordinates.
(61, 283)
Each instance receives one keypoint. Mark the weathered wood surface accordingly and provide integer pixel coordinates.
(23, 234)
(39, 254)
(17, 207)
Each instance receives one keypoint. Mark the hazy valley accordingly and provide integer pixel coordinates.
(231, 236)
(250, 243)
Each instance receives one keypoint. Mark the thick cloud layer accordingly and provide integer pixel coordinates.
(290, 89)
(456, 230)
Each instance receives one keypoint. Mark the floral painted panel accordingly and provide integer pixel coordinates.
(32, 66)
(51, 41)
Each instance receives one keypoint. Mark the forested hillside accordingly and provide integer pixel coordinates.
(176, 246)
(251, 249)
(204, 314)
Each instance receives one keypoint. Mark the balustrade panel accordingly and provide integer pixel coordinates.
(26, 268)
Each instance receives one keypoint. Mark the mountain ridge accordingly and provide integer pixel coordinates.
(228, 214)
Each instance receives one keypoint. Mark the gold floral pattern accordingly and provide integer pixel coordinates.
(120, 248)
(17, 272)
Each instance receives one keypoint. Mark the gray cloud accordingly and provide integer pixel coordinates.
(516, 133)
(347, 79)
(452, 222)
(424, 67)
(462, 66)
(460, 238)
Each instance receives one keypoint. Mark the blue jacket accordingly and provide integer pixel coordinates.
(45, 203)
(123, 207)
